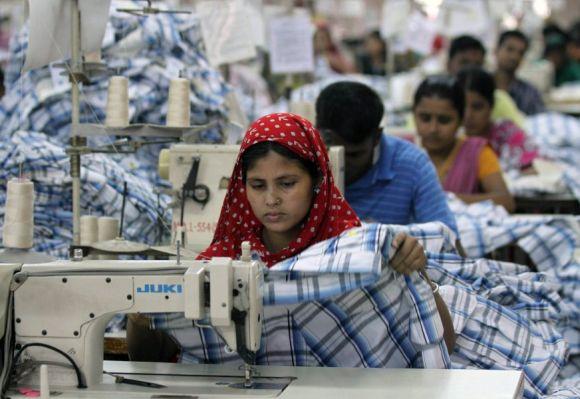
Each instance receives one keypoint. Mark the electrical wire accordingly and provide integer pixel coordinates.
(81, 382)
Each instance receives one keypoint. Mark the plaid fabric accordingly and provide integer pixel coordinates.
(102, 179)
(550, 241)
(149, 52)
(491, 336)
(541, 318)
(558, 139)
(483, 227)
(318, 317)
(505, 317)
(547, 302)
(557, 135)
(568, 383)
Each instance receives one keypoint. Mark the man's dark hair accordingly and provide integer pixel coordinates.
(352, 110)
(554, 39)
(464, 43)
(508, 34)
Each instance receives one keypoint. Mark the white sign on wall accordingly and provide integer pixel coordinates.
(226, 31)
(291, 49)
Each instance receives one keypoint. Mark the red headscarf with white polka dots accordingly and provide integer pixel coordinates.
(329, 215)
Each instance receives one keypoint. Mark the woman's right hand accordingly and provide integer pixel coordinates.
(409, 255)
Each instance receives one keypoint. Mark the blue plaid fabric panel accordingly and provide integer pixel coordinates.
(505, 316)
(558, 139)
(35, 116)
(364, 314)
(550, 240)
(149, 52)
(47, 165)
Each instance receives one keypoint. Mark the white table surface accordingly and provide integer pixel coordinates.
(207, 381)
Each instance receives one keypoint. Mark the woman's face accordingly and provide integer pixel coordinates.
(477, 118)
(437, 122)
(280, 193)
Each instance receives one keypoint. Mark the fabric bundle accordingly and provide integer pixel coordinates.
(557, 136)
(149, 52)
(35, 116)
(319, 302)
(484, 227)
(347, 310)
(47, 164)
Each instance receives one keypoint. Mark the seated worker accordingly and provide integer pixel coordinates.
(555, 50)
(467, 167)
(373, 60)
(570, 72)
(467, 51)
(282, 199)
(387, 180)
(509, 142)
(328, 56)
(511, 47)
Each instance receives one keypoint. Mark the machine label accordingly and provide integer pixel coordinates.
(160, 289)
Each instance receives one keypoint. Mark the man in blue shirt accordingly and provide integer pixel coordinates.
(387, 180)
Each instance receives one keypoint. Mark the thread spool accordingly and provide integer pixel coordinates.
(89, 231)
(18, 228)
(108, 229)
(178, 111)
(118, 102)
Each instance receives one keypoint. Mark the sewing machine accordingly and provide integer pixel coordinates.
(200, 173)
(68, 304)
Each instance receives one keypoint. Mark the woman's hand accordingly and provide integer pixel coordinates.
(409, 255)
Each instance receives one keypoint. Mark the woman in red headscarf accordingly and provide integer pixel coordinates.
(282, 199)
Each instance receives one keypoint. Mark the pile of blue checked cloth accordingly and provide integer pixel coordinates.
(35, 117)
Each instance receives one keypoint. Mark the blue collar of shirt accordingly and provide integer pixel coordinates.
(383, 169)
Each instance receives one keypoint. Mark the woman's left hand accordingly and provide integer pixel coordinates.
(409, 255)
